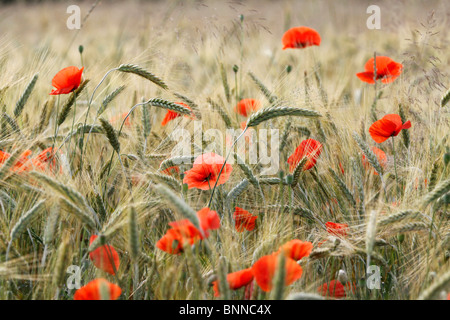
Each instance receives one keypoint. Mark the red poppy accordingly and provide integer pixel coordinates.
(310, 148)
(244, 220)
(184, 231)
(265, 268)
(46, 157)
(387, 70)
(342, 168)
(235, 280)
(105, 257)
(170, 115)
(23, 163)
(246, 106)
(120, 118)
(300, 37)
(381, 156)
(335, 289)
(388, 126)
(66, 80)
(92, 291)
(296, 249)
(337, 229)
(205, 172)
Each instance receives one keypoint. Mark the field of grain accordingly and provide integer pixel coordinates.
(370, 223)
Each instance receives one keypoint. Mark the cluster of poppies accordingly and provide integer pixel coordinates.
(45, 159)
(208, 171)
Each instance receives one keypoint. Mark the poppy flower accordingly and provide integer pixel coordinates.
(170, 115)
(342, 168)
(105, 257)
(309, 148)
(23, 162)
(184, 231)
(300, 37)
(388, 126)
(387, 70)
(381, 156)
(92, 291)
(66, 80)
(244, 220)
(265, 268)
(205, 172)
(337, 229)
(235, 280)
(296, 249)
(120, 118)
(246, 106)
(335, 289)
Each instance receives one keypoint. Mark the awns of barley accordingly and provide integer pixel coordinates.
(195, 108)
(304, 296)
(178, 203)
(166, 179)
(175, 161)
(133, 231)
(274, 112)
(217, 107)
(69, 103)
(110, 134)
(343, 187)
(399, 216)
(368, 153)
(263, 88)
(410, 227)
(25, 220)
(137, 70)
(109, 98)
(62, 262)
(445, 98)
(441, 189)
(161, 103)
(297, 171)
(236, 191)
(439, 284)
(24, 98)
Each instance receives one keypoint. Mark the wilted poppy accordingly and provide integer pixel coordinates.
(387, 70)
(309, 148)
(105, 257)
(247, 106)
(388, 126)
(335, 289)
(235, 280)
(66, 80)
(92, 291)
(265, 268)
(205, 172)
(296, 249)
(337, 229)
(381, 156)
(170, 115)
(300, 37)
(244, 220)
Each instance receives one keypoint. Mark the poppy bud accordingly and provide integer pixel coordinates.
(235, 68)
(342, 276)
(289, 179)
(446, 158)
(241, 17)
(401, 238)
(288, 68)
(80, 49)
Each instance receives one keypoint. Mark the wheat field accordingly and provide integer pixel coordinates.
(107, 177)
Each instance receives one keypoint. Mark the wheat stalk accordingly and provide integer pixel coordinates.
(274, 112)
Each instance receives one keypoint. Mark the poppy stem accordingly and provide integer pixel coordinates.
(224, 163)
(395, 165)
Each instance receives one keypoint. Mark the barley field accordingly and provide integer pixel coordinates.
(175, 150)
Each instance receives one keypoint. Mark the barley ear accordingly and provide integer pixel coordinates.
(110, 134)
(24, 98)
(137, 70)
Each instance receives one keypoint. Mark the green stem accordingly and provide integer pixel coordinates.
(395, 165)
